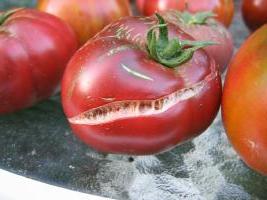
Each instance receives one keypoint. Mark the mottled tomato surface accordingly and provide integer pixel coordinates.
(224, 9)
(203, 27)
(254, 13)
(86, 17)
(34, 50)
(244, 107)
(120, 100)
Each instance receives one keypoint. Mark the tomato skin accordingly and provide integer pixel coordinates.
(224, 9)
(86, 17)
(147, 8)
(34, 50)
(96, 77)
(210, 31)
(254, 13)
(244, 104)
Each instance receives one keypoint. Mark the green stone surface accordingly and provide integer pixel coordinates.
(5, 4)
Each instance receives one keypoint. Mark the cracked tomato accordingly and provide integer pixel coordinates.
(86, 17)
(224, 9)
(34, 50)
(244, 106)
(140, 88)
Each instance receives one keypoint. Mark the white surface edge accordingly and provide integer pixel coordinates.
(15, 187)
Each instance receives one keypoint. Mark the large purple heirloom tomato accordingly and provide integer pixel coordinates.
(34, 50)
(140, 87)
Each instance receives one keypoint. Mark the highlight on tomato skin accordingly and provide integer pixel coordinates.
(147, 8)
(254, 13)
(224, 9)
(123, 91)
(34, 50)
(86, 17)
(244, 104)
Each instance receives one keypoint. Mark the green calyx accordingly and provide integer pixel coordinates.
(4, 16)
(170, 53)
(198, 18)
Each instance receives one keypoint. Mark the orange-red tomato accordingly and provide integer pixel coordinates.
(254, 13)
(86, 17)
(224, 9)
(244, 106)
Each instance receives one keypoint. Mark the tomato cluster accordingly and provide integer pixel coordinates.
(141, 85)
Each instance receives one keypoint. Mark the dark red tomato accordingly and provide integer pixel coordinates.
(202, 27)
(244, 107)
(224, 9)
(254, 13)
(86, 17)
(34, 50)
(120, 100)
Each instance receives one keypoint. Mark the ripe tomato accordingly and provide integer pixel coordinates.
(120, 100)
(244, 106)
(224, 9)
(254, 13)
(86, 17)
(148, 8)
(202, 27)
(34, 50)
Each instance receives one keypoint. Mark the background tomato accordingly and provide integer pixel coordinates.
(34, 50)
(254, 13)
(118, 100)
(148, 8)
(203, 29)
(224, 9)
(86, 17)
(244, 105)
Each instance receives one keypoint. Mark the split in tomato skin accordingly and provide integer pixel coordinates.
(86, 17)
(201, 26)
(245, 101)
(118, 100)
(224, 9)
(254, 13)
(34, 50)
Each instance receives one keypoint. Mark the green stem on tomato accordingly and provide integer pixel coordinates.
(170, 53)
(198, 18)
(4, 16)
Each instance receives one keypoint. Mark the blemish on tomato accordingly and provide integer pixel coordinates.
(135, 73)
